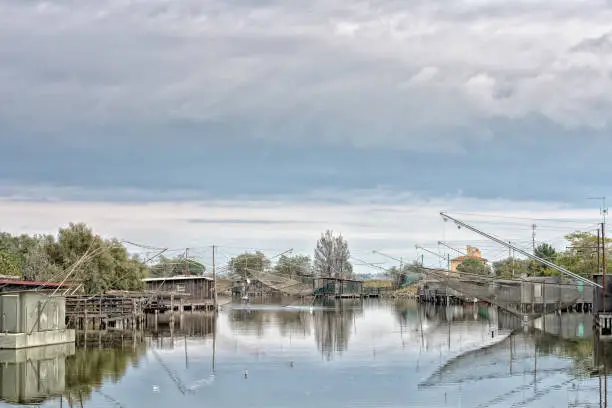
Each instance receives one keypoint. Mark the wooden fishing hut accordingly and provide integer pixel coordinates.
(180, 293)
(337, 287)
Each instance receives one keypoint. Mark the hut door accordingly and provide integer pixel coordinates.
(537, 290)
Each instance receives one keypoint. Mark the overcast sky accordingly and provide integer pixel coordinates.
(259, 124)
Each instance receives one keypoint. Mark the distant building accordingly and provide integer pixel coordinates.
(196, 291)
(470, 253)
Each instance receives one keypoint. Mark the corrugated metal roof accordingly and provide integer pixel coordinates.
(31, 283)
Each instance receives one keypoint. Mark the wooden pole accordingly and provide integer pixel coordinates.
(603, 263)
(214, 279)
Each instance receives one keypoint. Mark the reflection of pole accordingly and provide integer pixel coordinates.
(186, 358)
(421, 323)
(214, 341)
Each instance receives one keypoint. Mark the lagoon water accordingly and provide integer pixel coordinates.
(349, 353)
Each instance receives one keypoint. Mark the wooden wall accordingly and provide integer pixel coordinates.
(197, 289)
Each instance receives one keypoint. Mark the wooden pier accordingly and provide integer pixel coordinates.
(104, 312)
(525, 297)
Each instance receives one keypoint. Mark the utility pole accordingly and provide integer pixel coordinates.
(214, 280)
(603, 262)
(533, 228)
(186, 261)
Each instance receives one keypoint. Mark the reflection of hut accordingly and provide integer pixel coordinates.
(30, 376)
(30, 319)
(337, 287)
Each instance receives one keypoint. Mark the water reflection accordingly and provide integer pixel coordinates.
(335, 353)
(334, 325)
(100, 358)
(30, 376)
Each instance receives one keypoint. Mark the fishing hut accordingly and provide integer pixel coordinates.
(31, 318)
(181, 293)
(337, 287)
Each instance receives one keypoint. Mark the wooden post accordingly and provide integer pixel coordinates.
(100, 314)
(134, 315)
(214, 280)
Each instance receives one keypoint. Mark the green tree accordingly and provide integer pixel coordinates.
(547, 252)
(473, 266)
(38, 265)
(106, 264)
(249, 264)
(511, 267)
(581, 255)
(179, 265)
(293, 266)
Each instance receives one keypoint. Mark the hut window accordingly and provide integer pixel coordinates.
(180, 288)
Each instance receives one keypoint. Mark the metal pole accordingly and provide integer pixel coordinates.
(522, 252)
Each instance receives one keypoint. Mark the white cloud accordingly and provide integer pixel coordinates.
(278, 66)
(374, 221)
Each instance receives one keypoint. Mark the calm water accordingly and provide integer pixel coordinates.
(342, 354)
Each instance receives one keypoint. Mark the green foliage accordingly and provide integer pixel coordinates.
(179, 265)
(249, 264)
(547, 252)
(473, 266)
(106, 266)
(9, 264)
(511, 267)
(89, 368)
(581, 255)
(293, 266)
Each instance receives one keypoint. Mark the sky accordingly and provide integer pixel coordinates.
(259, 125)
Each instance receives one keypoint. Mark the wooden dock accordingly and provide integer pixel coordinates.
(104, 311)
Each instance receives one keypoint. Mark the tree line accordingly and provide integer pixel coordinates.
(580, 256)
(331, 259)
(106, 264)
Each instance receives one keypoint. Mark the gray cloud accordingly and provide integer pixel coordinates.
(157, 100)
(332, 71)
